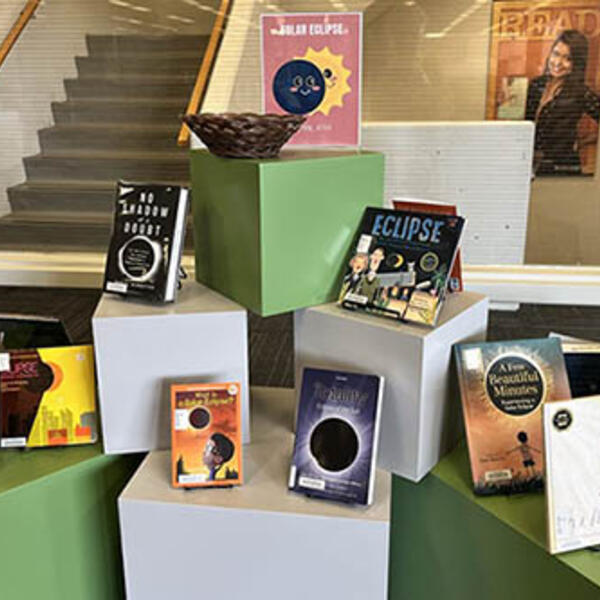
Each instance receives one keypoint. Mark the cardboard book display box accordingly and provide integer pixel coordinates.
(274, 234)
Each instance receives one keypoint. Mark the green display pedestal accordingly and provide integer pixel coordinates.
(274, 235)
(448, 543)
(58, 518)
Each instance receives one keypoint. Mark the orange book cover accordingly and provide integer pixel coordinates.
(206, 440)
(504, 386)
(439, 208)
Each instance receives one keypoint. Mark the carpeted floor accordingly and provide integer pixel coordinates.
(271, 339)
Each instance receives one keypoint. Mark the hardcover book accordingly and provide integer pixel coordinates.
(31, 331)
(144, 255)
(503, 386)
(572, 434)
(438, 208)
(47, 397)
(337, 429)
(206, 435)
(583, 367)
(401, 264)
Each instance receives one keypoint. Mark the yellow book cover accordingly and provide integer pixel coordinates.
(206, 448)
(47, 397)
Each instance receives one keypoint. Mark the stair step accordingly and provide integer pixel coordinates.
(118, 44)
(60, 232)
(90, 136)
(94, 166)
(63, 196)
(175, 65)
(134, 110)
(47, 232)
(127, 87)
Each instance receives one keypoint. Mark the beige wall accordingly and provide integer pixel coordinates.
(32, 76)
(424, 60)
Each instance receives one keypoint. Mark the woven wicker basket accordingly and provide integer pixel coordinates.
(245, 135)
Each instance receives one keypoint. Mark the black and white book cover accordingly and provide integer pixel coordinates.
(147, 240)
(337, 430)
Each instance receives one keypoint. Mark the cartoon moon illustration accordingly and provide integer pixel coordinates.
(335, 75)
(394, 260)
(298, 87)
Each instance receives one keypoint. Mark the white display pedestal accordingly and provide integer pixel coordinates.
(420, 418)
(255, 541)
(140, 348)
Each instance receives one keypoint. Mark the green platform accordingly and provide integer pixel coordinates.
(273, 235)
(448, 544)
(58, 518)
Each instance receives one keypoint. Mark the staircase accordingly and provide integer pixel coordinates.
(120, 121)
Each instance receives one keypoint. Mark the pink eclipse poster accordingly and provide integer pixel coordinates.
(311, 65)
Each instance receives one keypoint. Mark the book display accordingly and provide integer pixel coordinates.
(582, 359)
(572, 478)
(503, 387)
(337, 432)
(47, 397)
(206, 436)
(147, 241)
(251, 486)
(401, 264)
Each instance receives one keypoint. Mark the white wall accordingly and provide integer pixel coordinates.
(44, 55)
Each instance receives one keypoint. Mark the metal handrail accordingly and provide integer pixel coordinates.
(16, 30)
(205, 69)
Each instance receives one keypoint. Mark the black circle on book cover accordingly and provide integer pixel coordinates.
(334, 444)
(515, 385)
(199, 418)
(43, 380)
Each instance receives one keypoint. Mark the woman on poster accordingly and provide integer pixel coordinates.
(557, 101)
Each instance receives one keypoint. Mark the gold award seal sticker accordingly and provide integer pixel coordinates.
(429, 262)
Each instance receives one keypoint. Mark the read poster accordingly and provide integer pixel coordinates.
(311, 65)
(544, 67)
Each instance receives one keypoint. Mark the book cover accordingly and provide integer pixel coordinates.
(401, 263)
(47, 397)
(455, 283)
(582, 359)
(503, 386)
(572, 437)
(311, 65)
(337, 429)
(144, 255)
(206, 435)
(31, 331)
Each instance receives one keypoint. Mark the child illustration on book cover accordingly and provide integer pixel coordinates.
(206, 435)
(526, 453)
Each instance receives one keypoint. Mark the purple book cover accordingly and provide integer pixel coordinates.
(337, 428)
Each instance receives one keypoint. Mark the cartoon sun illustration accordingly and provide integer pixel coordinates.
(335, 75)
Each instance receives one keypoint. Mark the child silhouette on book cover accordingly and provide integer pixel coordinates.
(526, 453)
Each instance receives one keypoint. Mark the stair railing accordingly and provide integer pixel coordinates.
(16, 30)
(205, 68)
